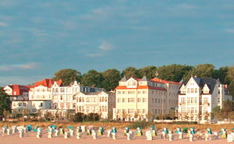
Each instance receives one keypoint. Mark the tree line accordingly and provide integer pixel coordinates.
(109, 78)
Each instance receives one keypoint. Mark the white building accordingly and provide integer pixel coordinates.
(139, 99)
(197, 98)
(96, 102)
(40, 95)
(64, 97)
(19, 97)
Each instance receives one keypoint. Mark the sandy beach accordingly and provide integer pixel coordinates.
(30, 138)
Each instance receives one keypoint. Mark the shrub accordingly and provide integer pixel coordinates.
(78, 117)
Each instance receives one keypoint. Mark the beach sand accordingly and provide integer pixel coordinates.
(30, 138)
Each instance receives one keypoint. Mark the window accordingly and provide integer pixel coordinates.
(192, 100)
(62, 90)
(123, 92)
(143, 110)
(139, 92)
(138, 99)
(144, 100)
(118, 92)
(131, 100)
(195, 90)
(183, 100)
(87, 99)
(144, 92)
(118, 100)
(192, 90)
(155, 100)
(131, 92)
(183, 109)
(123, 100)
(152, 100)
(205, 99)
(188, 90)
(188, 100)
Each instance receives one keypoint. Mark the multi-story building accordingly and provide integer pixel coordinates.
(40, 95)
(96, 102)
(19, 97)
(143, 99)
(17, 92)
(197, 98)
(64, 97)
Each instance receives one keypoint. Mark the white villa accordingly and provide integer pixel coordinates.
(197, 98)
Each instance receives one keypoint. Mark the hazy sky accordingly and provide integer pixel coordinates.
(40, 37)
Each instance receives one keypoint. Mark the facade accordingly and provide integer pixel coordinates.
(144, 99)
(197, 98)
(19, 105)
(40, 95)
(96, 102)
(17, 92)
(64, 97)
(19, 97)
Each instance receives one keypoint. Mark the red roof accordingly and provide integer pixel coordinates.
(18, 89)
(47, 83)
(164, 81)
(141, 87)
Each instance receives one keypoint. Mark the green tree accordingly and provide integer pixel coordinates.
(130, 72)
(216, 111)
(111, 79)
(5, 103)
(227, 106)
(231, 73)
(231, 88)
(173, 72)
(6, 113)
(201, 71)
(67, 76)
(148, 71)
(92, 78)
(222, 75)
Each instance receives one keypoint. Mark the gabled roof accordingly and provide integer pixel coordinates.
(210, 82)
(47, 83)
(18, 90)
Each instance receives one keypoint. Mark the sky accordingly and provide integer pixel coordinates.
(40, 37)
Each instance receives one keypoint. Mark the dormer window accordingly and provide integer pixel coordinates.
(131, 83)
